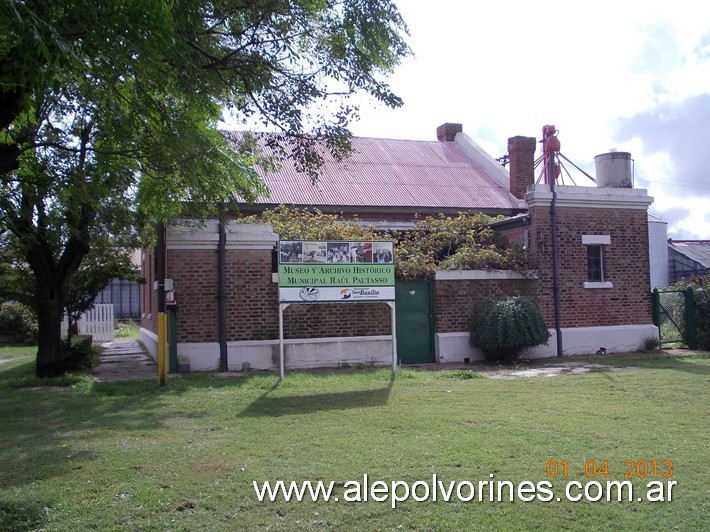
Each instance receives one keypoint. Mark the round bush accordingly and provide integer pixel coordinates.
(18, 322)
(503, 327)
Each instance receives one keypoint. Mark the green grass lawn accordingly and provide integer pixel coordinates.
(12, 352)
(106, 456)
(126, 329)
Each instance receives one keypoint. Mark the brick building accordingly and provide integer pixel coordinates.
(601, 283)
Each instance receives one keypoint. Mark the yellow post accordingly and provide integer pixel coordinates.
(162, 348)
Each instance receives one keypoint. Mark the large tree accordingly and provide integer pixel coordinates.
(109, 113)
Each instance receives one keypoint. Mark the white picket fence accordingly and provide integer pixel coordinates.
(97, 322)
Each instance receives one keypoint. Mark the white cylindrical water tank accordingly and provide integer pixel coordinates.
(614, 169)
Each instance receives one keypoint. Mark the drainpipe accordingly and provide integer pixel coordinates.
(221, 298)
(553, 229)
(160, 270)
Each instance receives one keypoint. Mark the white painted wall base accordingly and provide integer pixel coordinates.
(454, 347)
(150, 341)
(377, 350)
(324, 352)
(298, 353)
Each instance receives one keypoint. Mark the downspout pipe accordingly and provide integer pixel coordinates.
(221, 298)
(160, 267)
(555, 274)
(160, 270)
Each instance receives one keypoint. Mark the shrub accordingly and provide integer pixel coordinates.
(461, 374)
(463, 242)
(701, 295)
(18, 321)
(78, 354)
(650, 343)
(503, 327)
(702, 318)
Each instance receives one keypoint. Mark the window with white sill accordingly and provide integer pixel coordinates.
(596, 247)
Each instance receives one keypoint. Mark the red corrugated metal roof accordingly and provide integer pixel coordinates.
(391, 173)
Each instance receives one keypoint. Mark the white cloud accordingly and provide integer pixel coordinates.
(508, 68)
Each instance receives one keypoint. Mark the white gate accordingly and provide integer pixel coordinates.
(98, 322)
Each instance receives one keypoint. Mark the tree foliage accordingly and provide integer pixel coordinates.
(462, 242)
(107, 259)
(109, 114)
(104, 263)
(15, 284)
(312, 224)
(18, 322)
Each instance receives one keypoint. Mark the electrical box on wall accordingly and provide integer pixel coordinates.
(167, 284)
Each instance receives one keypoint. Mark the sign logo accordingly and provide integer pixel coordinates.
(366, 292)
(309, 294)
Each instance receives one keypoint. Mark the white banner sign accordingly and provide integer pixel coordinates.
(317, 271)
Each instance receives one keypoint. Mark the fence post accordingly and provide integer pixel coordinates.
(690, 336)
(656, 306)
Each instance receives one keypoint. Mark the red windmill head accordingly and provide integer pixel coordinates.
(551, 158)
(550, 142)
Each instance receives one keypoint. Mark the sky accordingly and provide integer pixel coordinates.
(627, 75)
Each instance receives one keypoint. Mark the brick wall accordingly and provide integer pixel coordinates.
(327, 320)
(515, 234)
(457, 300)
(521, 151)
(194, 274)
(252, 296)
(447, 132)
(625, 265)
(252, 302)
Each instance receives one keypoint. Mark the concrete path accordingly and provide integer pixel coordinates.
(550, 367)
(511, 372)
(124, 360)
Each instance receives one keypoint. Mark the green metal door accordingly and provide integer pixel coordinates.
(415, 322)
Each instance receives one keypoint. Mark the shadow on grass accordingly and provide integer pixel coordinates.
(48, 427)
(289, 405)
(22, 515)
(45, 425)
(686, 364)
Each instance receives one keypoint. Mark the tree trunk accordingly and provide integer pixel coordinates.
(50, 310)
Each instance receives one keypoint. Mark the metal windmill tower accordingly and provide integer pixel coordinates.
(551, 160)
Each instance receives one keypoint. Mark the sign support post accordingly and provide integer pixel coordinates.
(314, 272)
(282, 368)
(394, 336)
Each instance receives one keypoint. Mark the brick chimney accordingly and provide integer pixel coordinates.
(521, 151)
(447, 132)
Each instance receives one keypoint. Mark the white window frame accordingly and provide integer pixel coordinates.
(601, 241)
